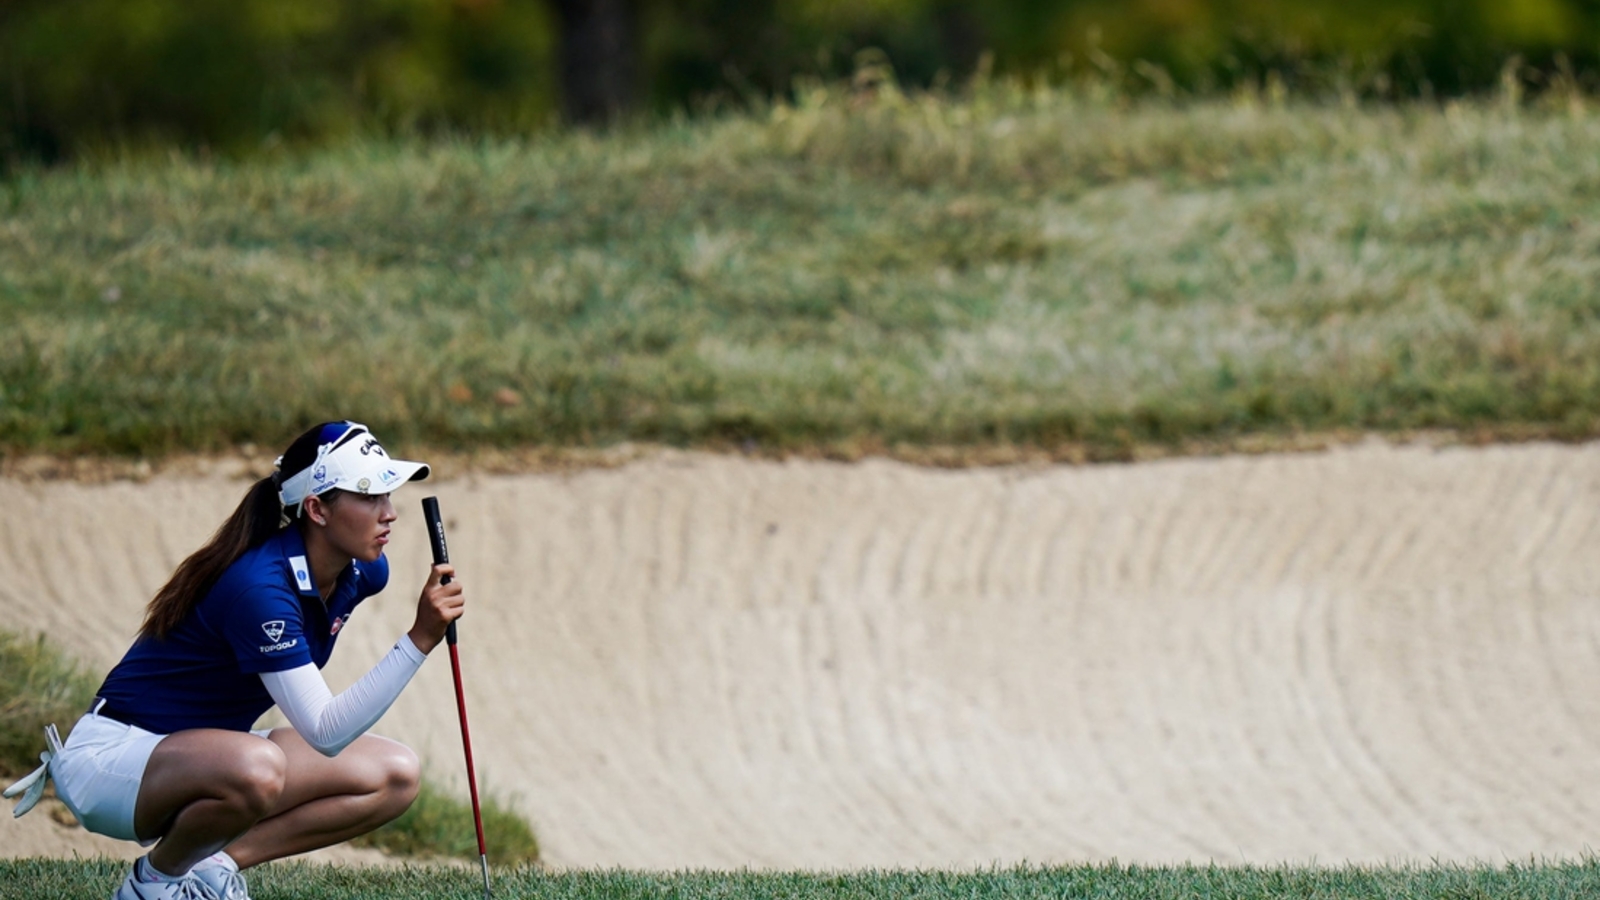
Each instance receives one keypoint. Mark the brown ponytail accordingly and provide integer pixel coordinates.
(256, 519)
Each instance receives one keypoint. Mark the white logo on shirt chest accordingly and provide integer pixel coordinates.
(302, 572)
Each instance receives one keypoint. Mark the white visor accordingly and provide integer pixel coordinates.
(354, 462)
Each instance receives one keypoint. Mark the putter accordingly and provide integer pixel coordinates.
(441, 554)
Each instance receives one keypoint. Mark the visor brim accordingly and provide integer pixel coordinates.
(405, 471)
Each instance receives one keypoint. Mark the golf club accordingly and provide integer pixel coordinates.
(441, 554)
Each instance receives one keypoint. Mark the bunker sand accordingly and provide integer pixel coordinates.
(1370, 654)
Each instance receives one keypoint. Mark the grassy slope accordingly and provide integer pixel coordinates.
(85, 880)
(1047, 268)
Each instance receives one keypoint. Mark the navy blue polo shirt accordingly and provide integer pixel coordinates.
(263, 615)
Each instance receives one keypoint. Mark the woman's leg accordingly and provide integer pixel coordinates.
(202, 789)
(326, 800)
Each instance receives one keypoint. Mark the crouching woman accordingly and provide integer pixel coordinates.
(166, 756)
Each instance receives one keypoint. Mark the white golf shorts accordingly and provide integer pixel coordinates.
(98, 771)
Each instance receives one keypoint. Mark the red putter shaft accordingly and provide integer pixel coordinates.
(441, 554)
(466, 745)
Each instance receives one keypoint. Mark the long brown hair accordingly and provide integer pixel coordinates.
(256, 519)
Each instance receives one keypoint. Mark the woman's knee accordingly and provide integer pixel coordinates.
(259, 776)
(398, 774)
(404, 772)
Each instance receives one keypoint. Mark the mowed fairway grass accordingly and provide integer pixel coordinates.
(1063, 270)
(61, 880)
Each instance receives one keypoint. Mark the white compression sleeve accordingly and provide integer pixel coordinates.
(330, 723)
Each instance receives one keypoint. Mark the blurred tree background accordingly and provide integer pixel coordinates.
(235, 76)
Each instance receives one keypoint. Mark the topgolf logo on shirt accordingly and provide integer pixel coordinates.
(274, 630)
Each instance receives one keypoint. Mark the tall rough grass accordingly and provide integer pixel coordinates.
(863, 269)
(39, 685)
(441, 825)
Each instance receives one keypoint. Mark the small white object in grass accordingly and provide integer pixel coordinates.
(111, 294)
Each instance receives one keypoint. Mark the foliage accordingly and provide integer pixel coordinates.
(440, 825)
(243, 76)
(1070, 269)
(83, 880)
(1408, 48)
(39, 685)
(1398, 48)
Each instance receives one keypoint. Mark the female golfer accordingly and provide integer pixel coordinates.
(166, 756)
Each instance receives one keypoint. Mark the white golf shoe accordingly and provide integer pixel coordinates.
(186, 888)
(224, 880)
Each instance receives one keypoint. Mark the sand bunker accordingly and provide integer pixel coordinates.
(1369, 654)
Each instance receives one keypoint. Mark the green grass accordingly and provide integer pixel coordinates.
(438, 824)
(82, 880)
(860, 271)
(40, 684)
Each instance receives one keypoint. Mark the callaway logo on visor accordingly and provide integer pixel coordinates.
(274, 629)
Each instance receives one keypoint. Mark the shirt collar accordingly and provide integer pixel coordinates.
(293, 547)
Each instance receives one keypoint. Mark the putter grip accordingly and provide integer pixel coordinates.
(441, 551)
